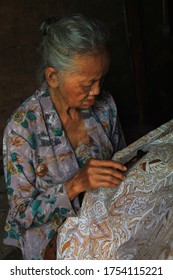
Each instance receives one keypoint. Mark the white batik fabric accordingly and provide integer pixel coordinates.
(133, 220)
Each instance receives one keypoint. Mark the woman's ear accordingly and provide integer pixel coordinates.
(52, 77)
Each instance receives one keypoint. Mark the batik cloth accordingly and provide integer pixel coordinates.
(39, 159)
(133, 220)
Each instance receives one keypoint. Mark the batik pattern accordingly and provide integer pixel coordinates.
(133, 220)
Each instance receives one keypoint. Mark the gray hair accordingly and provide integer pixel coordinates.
(70, 36)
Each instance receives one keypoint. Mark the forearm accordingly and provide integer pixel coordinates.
(41, 209)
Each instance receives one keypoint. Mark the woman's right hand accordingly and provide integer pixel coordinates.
(96, 173)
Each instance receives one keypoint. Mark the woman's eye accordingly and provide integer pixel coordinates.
(86, 88)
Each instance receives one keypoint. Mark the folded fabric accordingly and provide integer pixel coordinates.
(133, 220)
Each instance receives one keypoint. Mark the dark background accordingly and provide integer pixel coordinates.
(141, 73)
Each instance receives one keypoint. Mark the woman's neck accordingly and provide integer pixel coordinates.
(63, 109)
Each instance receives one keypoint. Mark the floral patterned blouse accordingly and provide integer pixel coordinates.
(39, 159)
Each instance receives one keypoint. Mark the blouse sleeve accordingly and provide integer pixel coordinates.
(117, 135)
(29, 206)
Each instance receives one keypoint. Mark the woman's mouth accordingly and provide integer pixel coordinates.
(91, 101)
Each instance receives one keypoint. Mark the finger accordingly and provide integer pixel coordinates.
(111, 180)
(108, 163)
(110, 171)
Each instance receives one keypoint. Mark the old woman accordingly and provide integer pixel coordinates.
(59, 142)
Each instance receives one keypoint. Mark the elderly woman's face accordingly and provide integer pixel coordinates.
(79, 89)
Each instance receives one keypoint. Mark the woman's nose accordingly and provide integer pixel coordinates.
(96, 88)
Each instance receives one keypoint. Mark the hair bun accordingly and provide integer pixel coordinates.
(47, 24)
